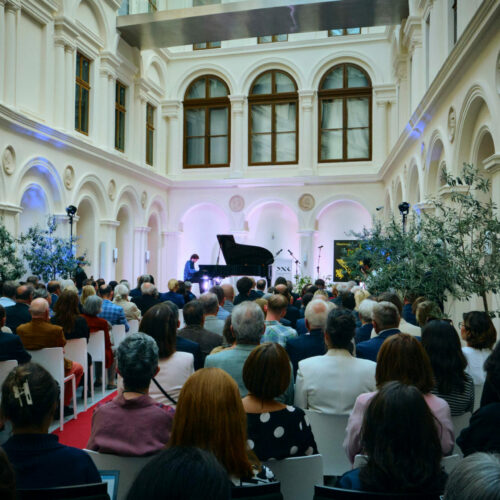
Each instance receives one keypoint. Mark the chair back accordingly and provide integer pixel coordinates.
(96, 346)
(97, 491)
(298, 475)
(326, 492)
(329, 433)
(133, 326)
(52, 359)
(128, 468)
(5, 368)
(460, 422)
(181, 319)
(267, 491)
(76, 350)
(478, 392)
(117, 334)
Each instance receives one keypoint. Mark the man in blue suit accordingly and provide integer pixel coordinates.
(386, 323)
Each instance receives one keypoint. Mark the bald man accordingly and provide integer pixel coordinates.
(40, 333)
(19, 313)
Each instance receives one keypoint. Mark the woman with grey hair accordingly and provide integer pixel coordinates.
(133, 424)
(476, 477)
(91, 309)
(121, 299)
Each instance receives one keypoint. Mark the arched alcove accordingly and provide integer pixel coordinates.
(335, 222)
(434, 173)
(153, 266)
(124, 244)
(86, 233)
(35, 208)
(398, 198)
(413, 186)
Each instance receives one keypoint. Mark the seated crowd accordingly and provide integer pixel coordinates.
(231, 389)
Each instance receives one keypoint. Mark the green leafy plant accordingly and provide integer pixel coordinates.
(48, 255)
(301, 282)
(11, 267)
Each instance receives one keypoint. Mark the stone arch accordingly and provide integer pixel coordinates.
(388, 204)
(434, 164)
(86, 231)
(36, 207)
(483, 148)
(129, 196)
(154, 70)
(207, 69)
(92, 16)
(398, 194)
(269, 64)
(93, 188)
(413, 184)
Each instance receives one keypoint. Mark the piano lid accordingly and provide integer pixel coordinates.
(235, 253)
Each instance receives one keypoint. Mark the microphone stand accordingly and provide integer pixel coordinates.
(319, 258)
(297, 262)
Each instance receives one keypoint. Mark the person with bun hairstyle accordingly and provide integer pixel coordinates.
(29, 401)
(478, 331)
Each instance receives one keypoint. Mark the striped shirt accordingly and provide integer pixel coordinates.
(460, 402)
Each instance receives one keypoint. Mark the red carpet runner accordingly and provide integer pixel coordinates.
(77, 432)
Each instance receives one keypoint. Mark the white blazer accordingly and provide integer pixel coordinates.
(332, 382)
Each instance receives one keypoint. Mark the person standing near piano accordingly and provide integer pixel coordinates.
(190, 267)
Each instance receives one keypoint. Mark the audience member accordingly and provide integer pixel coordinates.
(120, 298)
(41, 293)
(148, 299)
(452, 383)
(491, 390)
(19, 313)
(400, 440)
(332, 382)
(194, 319)
(244, 286)
(359, 296)
(182, 473)
(478, 332)
(408, 314)
(385, 322)
(112, 313)
(8, 294)
(11, 346)
(29, 400)
(292, 313)
(172, 294)
(275, 430)
(188, 295)
(275, 331)
(200, 422)
(113, 284)
(210, 305)
(221, 313)
(144, 425)
(80, 275)
(54, 288)
(7, 478)
(313, 344)
(404, 326)
(427, 311)
(476, 477)
(87, 291)
(91, 309)
(261, 287)
(185, 345)
(175, 367)
(67, 315)
(365, 313)
(228, 335)
(402, 358)
(39, 333)
(229, 297)
(137, 292)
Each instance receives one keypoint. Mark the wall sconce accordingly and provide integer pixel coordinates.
(115, 254)
(147, 256)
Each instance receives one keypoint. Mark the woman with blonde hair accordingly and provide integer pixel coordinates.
(87, 291)
(210, 416)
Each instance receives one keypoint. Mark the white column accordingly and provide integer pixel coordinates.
(307, 133)
(237, 149)
(418, 86)
(170, 111)
(171, 249)
(140, 244)
(59, 83)
(69, 90)
(10, 52)
(2, 46)
(307, 252)
(107, 235)
(110, 107)
(162, 257)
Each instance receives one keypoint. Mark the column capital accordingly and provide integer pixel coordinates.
(306, 98)
(64, 219)
(492, 164)
(142, 229)
(306, 232)
(10, 208)
(170, 108)
(12, 5)
(237, 103)
(109, 223)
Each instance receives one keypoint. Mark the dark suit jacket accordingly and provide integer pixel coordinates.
(300, 327)
(369, 349)
(206, 339)
(305, 346)
(145, 302)
(176, 298)
(408, 315)
(292, 315)
(185, 345)
(11, 347)
(482, 433)
(363, 333)
(17, 315)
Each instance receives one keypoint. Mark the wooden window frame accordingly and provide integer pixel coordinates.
(82, 84)
(344, 32)
(207, 104)
(345, 93)
(150, 127)
(120, 108)
(209, 46)
(273, 99)
(274, 39)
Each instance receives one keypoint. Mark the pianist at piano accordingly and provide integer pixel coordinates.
(190, 267)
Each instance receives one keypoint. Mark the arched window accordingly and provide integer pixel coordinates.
(345, 115)
(206, 123)
(273, 119)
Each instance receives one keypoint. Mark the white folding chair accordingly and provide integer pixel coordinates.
(129, 467)
(478, 392)
(329, 432)
(97, 349)
(298, 475)
(5, 368)
(133, 326)
(181, 319)
(52, 359)
(76, 350)
(118, 334)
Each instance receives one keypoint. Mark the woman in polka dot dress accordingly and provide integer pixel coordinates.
(275, 430)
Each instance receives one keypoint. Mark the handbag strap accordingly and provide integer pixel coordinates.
(164, 392)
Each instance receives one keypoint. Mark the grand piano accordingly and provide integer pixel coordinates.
(241, 260)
